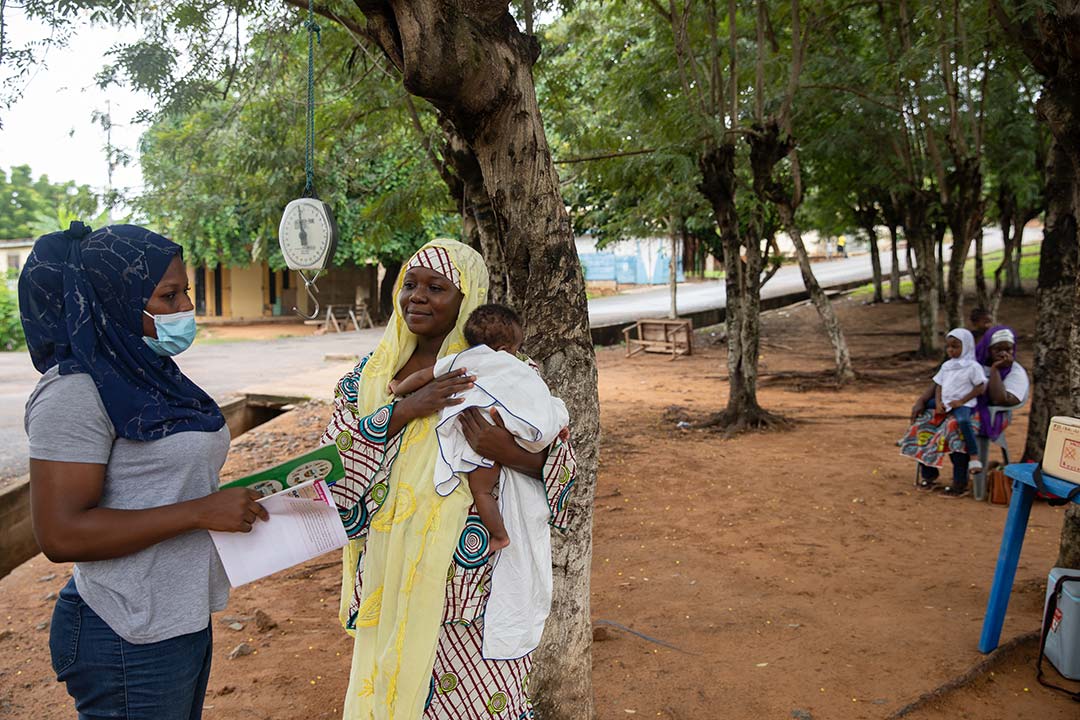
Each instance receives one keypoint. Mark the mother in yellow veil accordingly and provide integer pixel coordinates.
(416, 573)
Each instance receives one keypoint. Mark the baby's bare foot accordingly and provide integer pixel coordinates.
(498, 543)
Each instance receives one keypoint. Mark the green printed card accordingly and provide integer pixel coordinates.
(321, 464)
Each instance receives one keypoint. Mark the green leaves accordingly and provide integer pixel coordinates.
(626, 114)
(31, 207)
(219, 173)
(11, 332)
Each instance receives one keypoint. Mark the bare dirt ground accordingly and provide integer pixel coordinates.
(791, 574)
(256, 331)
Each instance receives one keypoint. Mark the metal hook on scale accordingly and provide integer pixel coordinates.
(307, 232)
(308, 286)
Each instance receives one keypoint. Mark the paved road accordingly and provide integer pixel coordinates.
(693, 297)
(299, 366)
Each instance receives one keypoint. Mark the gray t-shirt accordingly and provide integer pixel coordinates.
(168, 589)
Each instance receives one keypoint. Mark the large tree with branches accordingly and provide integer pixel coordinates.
(1049, 35)
(473, 65)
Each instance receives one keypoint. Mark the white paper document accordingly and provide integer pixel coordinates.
(304, 523)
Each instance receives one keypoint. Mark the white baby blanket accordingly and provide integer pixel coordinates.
(520, 597)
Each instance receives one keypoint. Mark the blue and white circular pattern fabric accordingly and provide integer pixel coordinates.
(472, 549)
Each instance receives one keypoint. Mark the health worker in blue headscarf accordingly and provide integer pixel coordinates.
(125, 455)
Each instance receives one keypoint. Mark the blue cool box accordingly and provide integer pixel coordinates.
(1063, 642)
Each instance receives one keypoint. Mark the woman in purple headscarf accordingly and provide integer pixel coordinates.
(1007, 381)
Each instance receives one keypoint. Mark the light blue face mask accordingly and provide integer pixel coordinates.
(175, 333)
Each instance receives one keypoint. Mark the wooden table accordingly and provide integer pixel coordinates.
(674, 337)
(1012, 540)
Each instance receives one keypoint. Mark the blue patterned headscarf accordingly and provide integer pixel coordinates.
(81, 298)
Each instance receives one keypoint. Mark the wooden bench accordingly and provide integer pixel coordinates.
(674, 337)
(338, 317)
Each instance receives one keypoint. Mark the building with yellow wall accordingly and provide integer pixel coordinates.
(255, 292)
(13, 253)
(251, 293)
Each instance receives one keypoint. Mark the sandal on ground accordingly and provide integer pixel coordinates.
(954, 492)
(975, 467)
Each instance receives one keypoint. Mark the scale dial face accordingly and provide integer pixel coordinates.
(307, 234)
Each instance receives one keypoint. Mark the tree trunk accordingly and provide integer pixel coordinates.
(1053, 299)
(982, 297)
(541, 261)
(894, 272)
(866, 215)
(1069, 551)
(693, 253)
(1050, 37)
(939, 242)
(673, 264)
(921, 240)
(964, 212)
(742, 283)
(910, 258)
(1014, 253)
(386, 288)
(480, 225)
(767, 149)
(875, 262)
(1006, 202)
(475, 67)
(456, 165)
(1006, 211)
(892, 214)
(844, 372)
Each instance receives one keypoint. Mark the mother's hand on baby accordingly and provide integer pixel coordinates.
(491, 441)
(496, 443)
(441, 392)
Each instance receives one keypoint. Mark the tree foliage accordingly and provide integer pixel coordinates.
(219, 172)
(874, 125)
(34, 206)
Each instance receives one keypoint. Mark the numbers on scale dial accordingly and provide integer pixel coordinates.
(312, 233)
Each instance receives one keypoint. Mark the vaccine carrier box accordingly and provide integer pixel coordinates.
(1061, 456)
(1063, 641)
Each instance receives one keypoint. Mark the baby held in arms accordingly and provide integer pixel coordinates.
(505, 382)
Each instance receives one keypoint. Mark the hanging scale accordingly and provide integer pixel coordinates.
(308, 234)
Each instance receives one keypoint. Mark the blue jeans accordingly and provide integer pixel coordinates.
(112, 678)
(963, 419)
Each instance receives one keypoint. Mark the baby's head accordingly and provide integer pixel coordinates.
(496, 326)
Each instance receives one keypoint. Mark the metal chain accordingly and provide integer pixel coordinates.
(309, 148)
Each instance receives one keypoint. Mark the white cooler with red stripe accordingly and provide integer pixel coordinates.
(1063, 641)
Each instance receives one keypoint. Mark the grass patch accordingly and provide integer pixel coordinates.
(865, 292)
(1029, 264)
(1029, 271)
